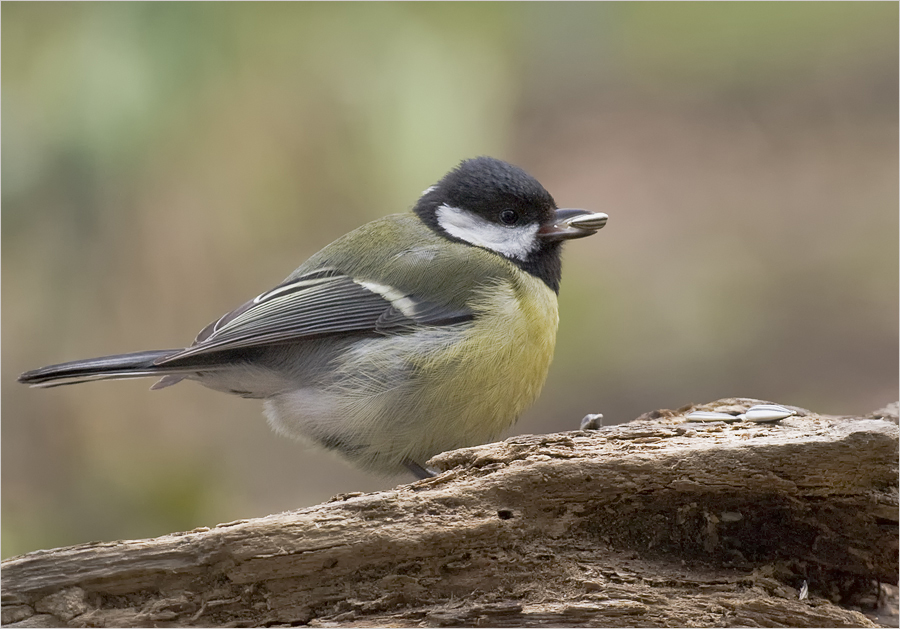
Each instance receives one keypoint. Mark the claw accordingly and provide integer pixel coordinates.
(418, 471)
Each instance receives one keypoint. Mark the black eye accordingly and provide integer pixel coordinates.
(509, 217)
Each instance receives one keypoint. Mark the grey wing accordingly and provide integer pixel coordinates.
(323, 302)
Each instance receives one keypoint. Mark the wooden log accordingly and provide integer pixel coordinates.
(658, 522)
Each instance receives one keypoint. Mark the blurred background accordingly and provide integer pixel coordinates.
(162, 163)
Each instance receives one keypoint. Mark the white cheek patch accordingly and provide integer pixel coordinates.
(513, 242)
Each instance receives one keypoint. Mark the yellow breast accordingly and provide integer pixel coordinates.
(496, 371)
(411, 396)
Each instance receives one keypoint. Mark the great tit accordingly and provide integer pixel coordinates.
(411, 335)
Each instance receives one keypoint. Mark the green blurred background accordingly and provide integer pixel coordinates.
(162, 163)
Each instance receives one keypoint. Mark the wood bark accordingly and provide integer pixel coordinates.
(658, 522)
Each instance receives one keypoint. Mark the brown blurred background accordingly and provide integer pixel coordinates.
(162, 163)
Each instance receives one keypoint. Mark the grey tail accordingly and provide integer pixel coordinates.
(120, 366)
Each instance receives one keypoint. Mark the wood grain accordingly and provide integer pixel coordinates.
(657, 522)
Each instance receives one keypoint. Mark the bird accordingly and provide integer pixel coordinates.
(412, 335)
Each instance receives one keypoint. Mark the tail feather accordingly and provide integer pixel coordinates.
(120, 366)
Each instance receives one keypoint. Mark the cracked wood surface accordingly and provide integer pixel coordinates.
(658, 522)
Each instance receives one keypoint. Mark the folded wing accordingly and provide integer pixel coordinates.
(324, 302)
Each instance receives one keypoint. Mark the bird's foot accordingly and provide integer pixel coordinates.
(418, 471)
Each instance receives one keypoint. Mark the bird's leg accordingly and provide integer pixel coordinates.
(419, 471)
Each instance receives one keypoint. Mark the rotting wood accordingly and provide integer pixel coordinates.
(658, 522)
